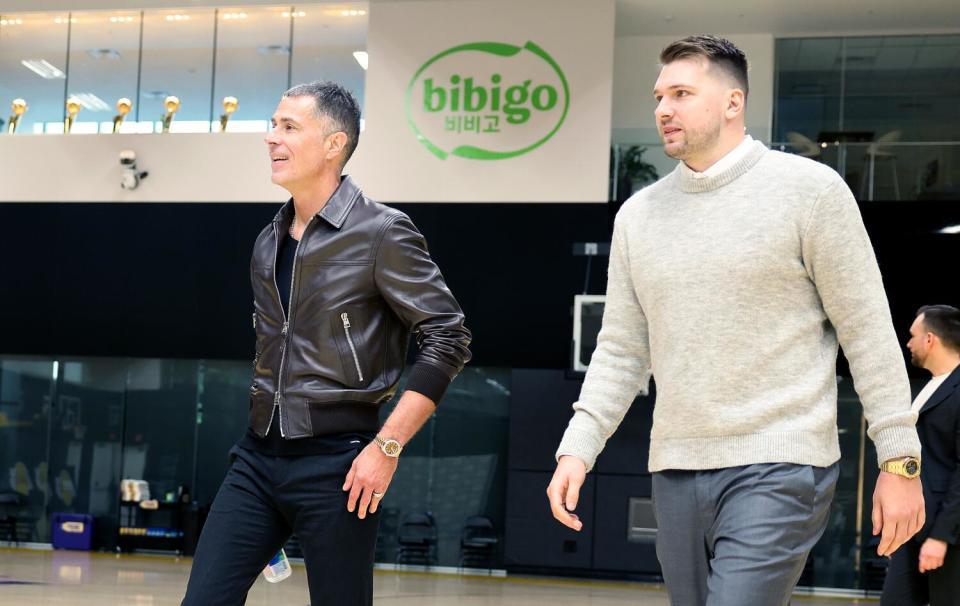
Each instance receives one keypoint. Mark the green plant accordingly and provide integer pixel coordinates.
(632, 166)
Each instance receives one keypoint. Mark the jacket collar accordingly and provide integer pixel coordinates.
(334, 212)
(946, 388)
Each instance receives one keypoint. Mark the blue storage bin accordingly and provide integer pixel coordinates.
(72, 531)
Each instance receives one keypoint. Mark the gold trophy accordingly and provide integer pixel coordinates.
(18, 107)
(73, 108)
(229, 106)
(172, 104)
(123, 107)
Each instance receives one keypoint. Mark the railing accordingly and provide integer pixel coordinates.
(877, 170)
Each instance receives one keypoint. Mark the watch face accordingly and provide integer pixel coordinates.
(911, 467)
(391, 448)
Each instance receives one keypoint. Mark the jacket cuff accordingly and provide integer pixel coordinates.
(428, 380)
(945, 530)
(896, 441)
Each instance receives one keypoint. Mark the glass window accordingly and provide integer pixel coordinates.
(874, 108)
(177, 61)
(26, 386)
(104, 58)
(33, 67)
(253, 64)
(809, 89)
(160, 433)
(222, 421)
(330, 43)
(453, 469)
(86, 431)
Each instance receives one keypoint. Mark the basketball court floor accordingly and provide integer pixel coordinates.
(67, 578)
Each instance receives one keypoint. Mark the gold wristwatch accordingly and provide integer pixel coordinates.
(389, 446)
(908, 467)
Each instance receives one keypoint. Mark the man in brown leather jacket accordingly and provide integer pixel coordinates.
(339, 284)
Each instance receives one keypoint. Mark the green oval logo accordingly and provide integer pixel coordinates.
(464, 103)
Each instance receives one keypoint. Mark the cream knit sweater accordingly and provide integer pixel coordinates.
(734, 292)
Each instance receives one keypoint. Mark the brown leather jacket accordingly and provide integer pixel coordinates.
(362, 282)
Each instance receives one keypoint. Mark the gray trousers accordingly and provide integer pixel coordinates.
(739, 536)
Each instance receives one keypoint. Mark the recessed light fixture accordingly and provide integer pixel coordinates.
(11, 21)
(352, 13)
(43, 69)
(362, 58)
(178, 17)
(288, 14)
(91, 102)
(952, 229)
(235, 15)
(155, 94)
(59, 20)
(121, 19)
(110, 54)
(274, 49)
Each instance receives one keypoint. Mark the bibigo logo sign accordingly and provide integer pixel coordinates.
(487, 100)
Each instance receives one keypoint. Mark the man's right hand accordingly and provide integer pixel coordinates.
(564, 490)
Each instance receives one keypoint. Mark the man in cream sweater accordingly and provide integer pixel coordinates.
(732, 281)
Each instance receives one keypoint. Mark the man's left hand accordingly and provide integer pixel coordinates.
(932, 554)
(897, 511)
(368, 480)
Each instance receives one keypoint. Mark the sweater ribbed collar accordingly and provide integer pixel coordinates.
(689, 184)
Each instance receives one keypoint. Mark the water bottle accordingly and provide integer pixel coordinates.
(278, 568)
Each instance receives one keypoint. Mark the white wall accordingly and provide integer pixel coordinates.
(570, 166)
(221, 167)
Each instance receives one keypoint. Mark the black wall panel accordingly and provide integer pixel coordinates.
(171, 280)
(611, 549)
(533, 538)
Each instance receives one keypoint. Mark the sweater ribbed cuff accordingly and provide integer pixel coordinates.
(428, 380)
(581, 444)
(895, 442)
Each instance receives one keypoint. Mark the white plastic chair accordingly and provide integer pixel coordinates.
(880, 150)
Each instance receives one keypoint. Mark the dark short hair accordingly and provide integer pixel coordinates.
(943, 321)
(336, 103)
(720, 52)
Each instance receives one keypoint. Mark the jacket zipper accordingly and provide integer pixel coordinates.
(353, 349)
(277, 409)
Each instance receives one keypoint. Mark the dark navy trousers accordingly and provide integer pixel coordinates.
(264, 499)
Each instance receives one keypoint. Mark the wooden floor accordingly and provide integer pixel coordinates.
(65, 578)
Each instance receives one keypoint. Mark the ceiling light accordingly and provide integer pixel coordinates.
(43, 69)
(91, 102)
(952, 229)
(235, 15)
(121, 19)
(178, 17)
(362, 58)
(155, 94)
(111, 54)
(59, 20)
(274, 49)
(287, 14)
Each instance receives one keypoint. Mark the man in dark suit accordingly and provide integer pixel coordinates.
(927, 569)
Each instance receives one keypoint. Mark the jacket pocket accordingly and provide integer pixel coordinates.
(348, 338)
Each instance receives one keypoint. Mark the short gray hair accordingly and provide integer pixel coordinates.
(334, 102)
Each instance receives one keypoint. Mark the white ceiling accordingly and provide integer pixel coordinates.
(785, 17)
(676, 17)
